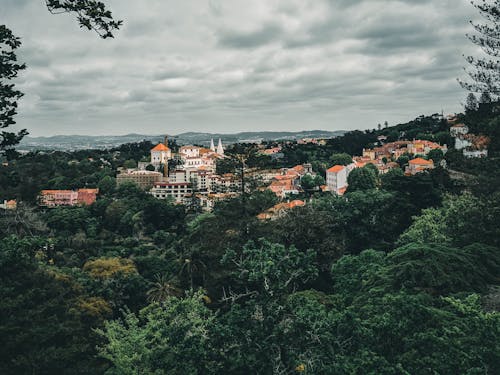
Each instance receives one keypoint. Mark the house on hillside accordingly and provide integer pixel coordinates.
(472, 146)
(56, 198)
(336, 178)
(458, 129)
(9, 205)
(280, 209)
(144, 179)
(419, 165)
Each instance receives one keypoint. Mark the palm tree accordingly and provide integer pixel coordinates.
(191, 266)
(162, 288)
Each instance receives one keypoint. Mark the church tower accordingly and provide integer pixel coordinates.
(160, 154)
(220, 149)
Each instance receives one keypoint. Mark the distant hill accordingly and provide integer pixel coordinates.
(82, 142)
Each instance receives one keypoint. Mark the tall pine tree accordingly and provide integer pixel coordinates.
(485, 72)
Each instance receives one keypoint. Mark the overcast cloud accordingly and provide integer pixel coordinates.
(239, 65)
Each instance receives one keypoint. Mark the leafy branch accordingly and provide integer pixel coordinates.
(91, 14)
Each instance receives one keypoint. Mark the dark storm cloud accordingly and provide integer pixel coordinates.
(231, 65)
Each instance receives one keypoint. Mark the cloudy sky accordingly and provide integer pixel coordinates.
(239, 65)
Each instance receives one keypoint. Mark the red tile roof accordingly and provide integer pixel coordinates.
(299, 168)
(50, 192)
(160, 147)
(336, 168)
(420, 161)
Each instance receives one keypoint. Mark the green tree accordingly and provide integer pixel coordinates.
(387, 178)
(429, 227)
(439, 269)
(403, 161)
(46, 321)
(355, 274)
(463, 220)
(130, 164)
(272, 268)
(309, 182)
(485, 74)
(435, 155)
(107, 185)
(361, 179)
(251, 335)
(471, 104)
(172, 337)
(9, 70)
(116, 280)
(68, 220)
(340, 159)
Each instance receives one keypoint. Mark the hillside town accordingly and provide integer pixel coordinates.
(190, 174)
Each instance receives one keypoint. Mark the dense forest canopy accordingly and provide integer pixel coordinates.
(400, 275)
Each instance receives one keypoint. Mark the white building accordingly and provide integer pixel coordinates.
(459, 129)
(190, 151)
(472, 146)
(194, 157)
(160, 155)
(144, 179)
(469, 153)
(462, 143)
(336, 178)
(178, 191)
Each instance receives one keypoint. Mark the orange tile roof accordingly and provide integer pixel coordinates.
(276, 209)
(292, 172)
(336, 168)
(160, 147)
(296, 203)
(88, 191)
(421, 161)
(50, 192)
(282, 183)
(276, 189)
(264, 216)
(299, 168)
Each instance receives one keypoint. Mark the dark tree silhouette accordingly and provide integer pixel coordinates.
(9, 69)
(91, 14)
(485, 72)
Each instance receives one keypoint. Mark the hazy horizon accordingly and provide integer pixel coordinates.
(176, 134)
(200, 66)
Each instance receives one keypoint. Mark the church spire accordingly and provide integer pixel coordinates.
(212, 146)
(220, 149)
